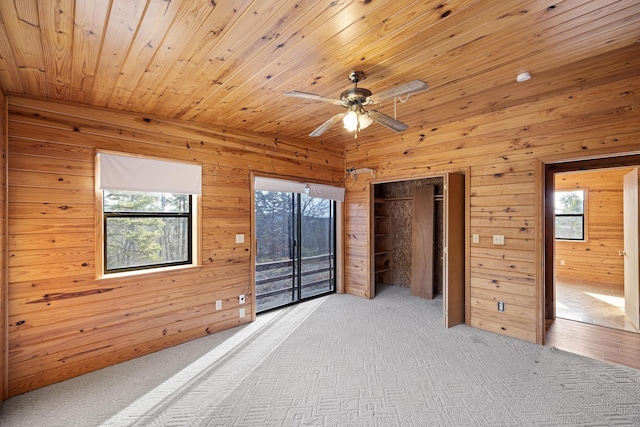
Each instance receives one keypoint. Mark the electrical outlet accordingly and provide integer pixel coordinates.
(242, 313)
(219, 304)
(500, 306)
(498, 239)
(241, 299)
(475, 238)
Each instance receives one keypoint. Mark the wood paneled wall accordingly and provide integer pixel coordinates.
(63, 321)
(4, 314)
(503, 151)
(597, 258)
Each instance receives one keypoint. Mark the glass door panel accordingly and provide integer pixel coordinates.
(295, 256)
(275, 267)
(318, 248)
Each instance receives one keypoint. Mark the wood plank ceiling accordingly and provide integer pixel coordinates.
(229, 63)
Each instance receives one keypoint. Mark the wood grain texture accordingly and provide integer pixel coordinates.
(422, 234)
(631, 202)
(4, 287)
(455, 298)
(225, 67)
(607, 344)
(501, 150)
(229, 64)
(382, 242)
(62, 320)
(597, 258)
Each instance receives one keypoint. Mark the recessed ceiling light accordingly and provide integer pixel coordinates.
(523, 77)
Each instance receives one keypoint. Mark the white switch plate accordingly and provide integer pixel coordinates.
(242, 312)
(219, 304)
(476, 238)
(561, 262)
(498, 239)
(239, 238)
(241, 299)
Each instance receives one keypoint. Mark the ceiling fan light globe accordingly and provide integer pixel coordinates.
(365, 121)
(350, 121)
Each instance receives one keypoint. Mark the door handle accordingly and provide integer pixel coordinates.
(622, 253)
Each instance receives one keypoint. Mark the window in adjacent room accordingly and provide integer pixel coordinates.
(570, 215)
(148, 212)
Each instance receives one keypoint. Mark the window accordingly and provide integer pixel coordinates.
(148, 212)
(569, 215)
(146, 230)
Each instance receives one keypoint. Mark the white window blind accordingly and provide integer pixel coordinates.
(326, 192)
(315, 190)
(128, 173)
(272, 184)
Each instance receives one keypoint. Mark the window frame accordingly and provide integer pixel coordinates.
(583, 215)
(133, 214)
(100, 235)
(271, 182)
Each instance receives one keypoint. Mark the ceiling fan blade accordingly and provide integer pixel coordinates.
(326, 125)
(387, 121)
(402, 90)
(313, 97)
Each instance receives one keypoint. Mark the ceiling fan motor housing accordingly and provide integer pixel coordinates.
(356, 98)
(356, 95)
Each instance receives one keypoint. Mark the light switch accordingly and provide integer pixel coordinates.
(476, 238)
(242, 312)
(498, 239)
(219, 304)
(239, 238)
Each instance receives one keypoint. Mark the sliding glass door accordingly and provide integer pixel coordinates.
(295, 253)
(317, 250)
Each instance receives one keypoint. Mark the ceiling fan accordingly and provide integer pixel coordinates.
(356, 98)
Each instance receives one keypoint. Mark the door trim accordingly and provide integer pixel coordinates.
(466, 243)
(550, 169)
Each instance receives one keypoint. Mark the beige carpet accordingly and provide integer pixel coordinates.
(343, 361)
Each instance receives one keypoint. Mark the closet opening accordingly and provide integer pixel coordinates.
(408, 236)
(418, 240)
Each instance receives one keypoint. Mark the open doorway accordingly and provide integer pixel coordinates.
(589, 269)
(589, 247)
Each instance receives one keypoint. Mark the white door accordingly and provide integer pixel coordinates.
(631, 249)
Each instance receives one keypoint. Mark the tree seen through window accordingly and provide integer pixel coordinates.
(569, 215)
(145, 230)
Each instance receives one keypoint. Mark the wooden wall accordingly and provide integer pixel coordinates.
(4, 365)
(597, 258)
(63, 321)
(502, 152)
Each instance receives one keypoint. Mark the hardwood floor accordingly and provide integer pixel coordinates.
(592, 302)
(606, 344)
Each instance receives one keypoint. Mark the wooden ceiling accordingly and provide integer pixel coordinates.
(229, 62)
